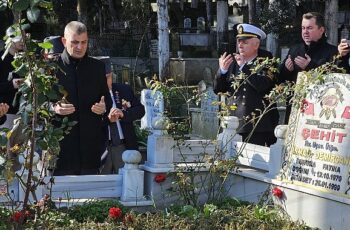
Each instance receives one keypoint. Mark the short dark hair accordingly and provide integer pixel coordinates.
(319, 19)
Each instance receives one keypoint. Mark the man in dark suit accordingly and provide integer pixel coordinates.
(86, 101)
(312, 53)
(249, 96)
(125, 110)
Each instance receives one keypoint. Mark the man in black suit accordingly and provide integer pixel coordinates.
(312, 53)
(86, 101)
(125, 110)
(249, 96)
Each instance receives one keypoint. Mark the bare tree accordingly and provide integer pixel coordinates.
(208, 9)
(222, 22)
(331, 10)
(163, 38)
(82, 9)
(252, 11)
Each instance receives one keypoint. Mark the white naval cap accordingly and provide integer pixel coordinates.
(246, 31)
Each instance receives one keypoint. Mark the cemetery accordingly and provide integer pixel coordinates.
(195, 171)
(308, 164)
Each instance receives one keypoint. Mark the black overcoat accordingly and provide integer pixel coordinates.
(320, 52)
(84, 80)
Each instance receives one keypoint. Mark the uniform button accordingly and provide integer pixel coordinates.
(243, 103)
(243, 96)
(244, 89)
(244, 83)
(234, 97)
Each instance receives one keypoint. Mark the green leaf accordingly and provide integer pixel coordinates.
(33, 14)
(3, 5)
(20, 5)
(3, 139)
(34, 2)
(22, 70)
(45, 45)
(46, 4)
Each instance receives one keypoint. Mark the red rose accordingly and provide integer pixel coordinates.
(160, 178)
(16, 217)
(277, 192)
(115, 213)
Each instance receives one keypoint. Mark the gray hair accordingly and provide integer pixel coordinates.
(75, 27)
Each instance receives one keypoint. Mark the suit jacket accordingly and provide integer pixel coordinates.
(84, 81)
(320, 52)
(123, 92)
(248, 97)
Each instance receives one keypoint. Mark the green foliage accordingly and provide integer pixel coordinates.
(189, 211)
(177, 100)
(3, 5)
(278, 17)
(312, 77)
(141, 135)
(20, 5)
(96, 211)
(242, 217)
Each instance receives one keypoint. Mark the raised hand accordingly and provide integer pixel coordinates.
(115, 114)
(239, 59)
(225, 61)
(63, 108)
(302, 62)
(289, 63)
(343, 48)
(3, 109)
(100, 107)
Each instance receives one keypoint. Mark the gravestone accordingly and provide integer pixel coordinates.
(205, 122)
(200, 24)
(153, 102)
(187, 24)
(317, 145)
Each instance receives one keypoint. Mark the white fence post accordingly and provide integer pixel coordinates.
(276, 151)
(133, 177)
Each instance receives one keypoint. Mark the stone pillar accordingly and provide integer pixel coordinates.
(277, 151)
(163, 38)
(229, 136)
(222, 23)
(133, 177)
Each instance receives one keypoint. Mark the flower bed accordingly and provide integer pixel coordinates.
(109, 214)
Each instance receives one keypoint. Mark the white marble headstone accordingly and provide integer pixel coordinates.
(154, 107)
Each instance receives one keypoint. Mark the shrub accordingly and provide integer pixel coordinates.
(96, 211)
